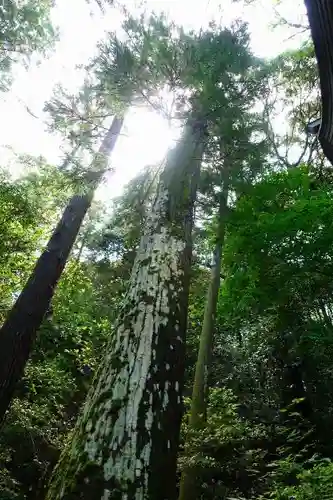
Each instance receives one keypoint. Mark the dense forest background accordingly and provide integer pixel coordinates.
(258, 400)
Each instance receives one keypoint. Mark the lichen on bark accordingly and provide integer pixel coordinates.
(125, 443)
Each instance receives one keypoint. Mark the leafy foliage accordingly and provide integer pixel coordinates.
(25, 27)
(268, 432)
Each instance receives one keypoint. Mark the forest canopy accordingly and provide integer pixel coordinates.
(166, 254)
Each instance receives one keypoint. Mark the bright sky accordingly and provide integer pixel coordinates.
(147, 134)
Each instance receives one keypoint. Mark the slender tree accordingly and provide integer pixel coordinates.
(19, 330)
(125, 443)
(236, 158)
(200, 385)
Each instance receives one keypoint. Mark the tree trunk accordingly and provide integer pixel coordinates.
(19, 330)
(125, 443)
(198, 410)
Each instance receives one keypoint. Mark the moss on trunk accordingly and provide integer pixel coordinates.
(125, 443)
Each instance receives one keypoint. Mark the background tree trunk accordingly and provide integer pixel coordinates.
(19, 330)
(125, 443)
(198, 410)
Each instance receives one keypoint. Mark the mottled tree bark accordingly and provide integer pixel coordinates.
(125, 443)
(187, 490)
(19, 330)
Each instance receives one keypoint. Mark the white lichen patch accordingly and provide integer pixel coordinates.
(166, 394)
(106, 495)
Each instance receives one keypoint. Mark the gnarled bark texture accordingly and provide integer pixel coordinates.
(19, 330)
(125, 443)
(187, 490)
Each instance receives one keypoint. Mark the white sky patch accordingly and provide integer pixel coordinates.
(146, 139)
(147, 135)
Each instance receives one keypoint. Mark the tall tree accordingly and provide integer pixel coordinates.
(125, 443)
(19, 330)
(237, 155)
(181, 62)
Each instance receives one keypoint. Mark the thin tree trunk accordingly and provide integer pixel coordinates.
(19, 330)
(125, 443)
(197, 418)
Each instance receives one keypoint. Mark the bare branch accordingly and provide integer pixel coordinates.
(272, 139)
